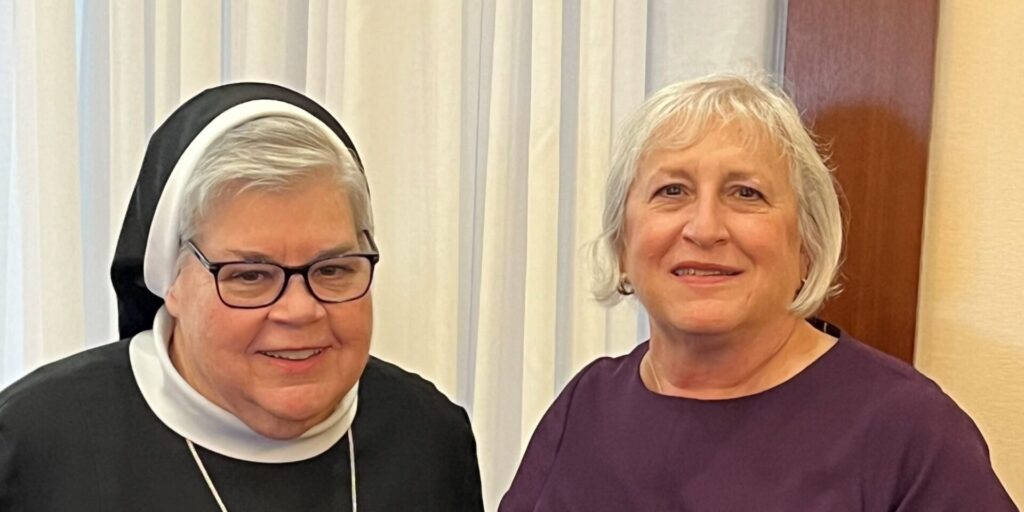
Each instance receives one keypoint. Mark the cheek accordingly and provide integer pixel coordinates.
(649, 242)
(795, 247)
(225, 328)
(352, 322)
(213, 328)
(778, 245)
(645, 237)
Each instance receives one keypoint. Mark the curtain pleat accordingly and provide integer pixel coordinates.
(47, 180)
(164, 58)
(94, 110)
(200, 52)
(543, 189)
(12, 361)
(129, 126)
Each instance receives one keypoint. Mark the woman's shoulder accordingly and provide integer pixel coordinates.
(616, 375)
(384, 378)
(920, 446)
(417, 435)
(894, 396)
(398, 394)
(892, 383)
(606, 383)
(66, 410)
(68, 383)
(612, 368)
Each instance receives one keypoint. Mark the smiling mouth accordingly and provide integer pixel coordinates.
(703, 272)
(293, 355)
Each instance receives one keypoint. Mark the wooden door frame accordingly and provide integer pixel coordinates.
(862, 73)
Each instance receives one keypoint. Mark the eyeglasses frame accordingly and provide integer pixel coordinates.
(214, 267)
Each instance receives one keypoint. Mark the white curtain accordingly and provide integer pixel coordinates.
(485, 128)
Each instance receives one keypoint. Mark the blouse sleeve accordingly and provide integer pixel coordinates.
(929, 455)
(540, 454)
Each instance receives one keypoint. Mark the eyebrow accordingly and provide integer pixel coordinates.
(259, 257)
(735, 174)
(744, 175)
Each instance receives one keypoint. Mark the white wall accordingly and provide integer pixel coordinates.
(972, 281)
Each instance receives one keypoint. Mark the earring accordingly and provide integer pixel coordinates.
(624, 287)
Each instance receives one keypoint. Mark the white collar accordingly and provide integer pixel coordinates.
(189, 414)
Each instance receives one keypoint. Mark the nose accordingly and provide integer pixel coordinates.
(706, 225)
(297, 304)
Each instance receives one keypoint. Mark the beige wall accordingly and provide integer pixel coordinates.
(971, 307)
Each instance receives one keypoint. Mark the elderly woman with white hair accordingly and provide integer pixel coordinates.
(243, 380)
(723, 221)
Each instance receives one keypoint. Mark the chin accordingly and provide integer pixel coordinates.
(300, 405)
(706, 326)
(277, 432)
(703, 319)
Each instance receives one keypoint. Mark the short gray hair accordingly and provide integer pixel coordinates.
(680, 115)
(270, 152)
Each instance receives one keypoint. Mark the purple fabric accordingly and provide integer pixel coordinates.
(856, 430)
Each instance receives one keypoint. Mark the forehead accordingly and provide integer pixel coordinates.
(682, 132)
(312, 208)
(734, 142)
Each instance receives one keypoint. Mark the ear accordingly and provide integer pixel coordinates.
(805, 269)
(174, 299)
(620, 249)
(621, 260)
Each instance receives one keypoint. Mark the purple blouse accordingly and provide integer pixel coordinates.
(856, 430)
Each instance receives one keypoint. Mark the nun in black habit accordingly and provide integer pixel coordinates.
(243, 379)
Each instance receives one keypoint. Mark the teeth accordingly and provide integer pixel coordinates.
(700, 272)
(294, 355)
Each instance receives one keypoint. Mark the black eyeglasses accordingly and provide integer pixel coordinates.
(251, 285)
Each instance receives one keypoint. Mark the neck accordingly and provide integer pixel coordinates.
(733, 364)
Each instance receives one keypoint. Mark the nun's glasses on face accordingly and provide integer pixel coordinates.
(250, 285)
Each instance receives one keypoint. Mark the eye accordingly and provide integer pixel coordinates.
(748, 193)
(670, 191)
(336, 269)
(248, 276)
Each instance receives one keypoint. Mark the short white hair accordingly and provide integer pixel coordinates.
(680, 115)
(271, 152)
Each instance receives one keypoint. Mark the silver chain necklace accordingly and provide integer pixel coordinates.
(216, 495)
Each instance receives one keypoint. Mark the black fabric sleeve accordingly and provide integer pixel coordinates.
(9, 501)
(469, 472)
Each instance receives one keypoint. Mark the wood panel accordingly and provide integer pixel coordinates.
(861, 71)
